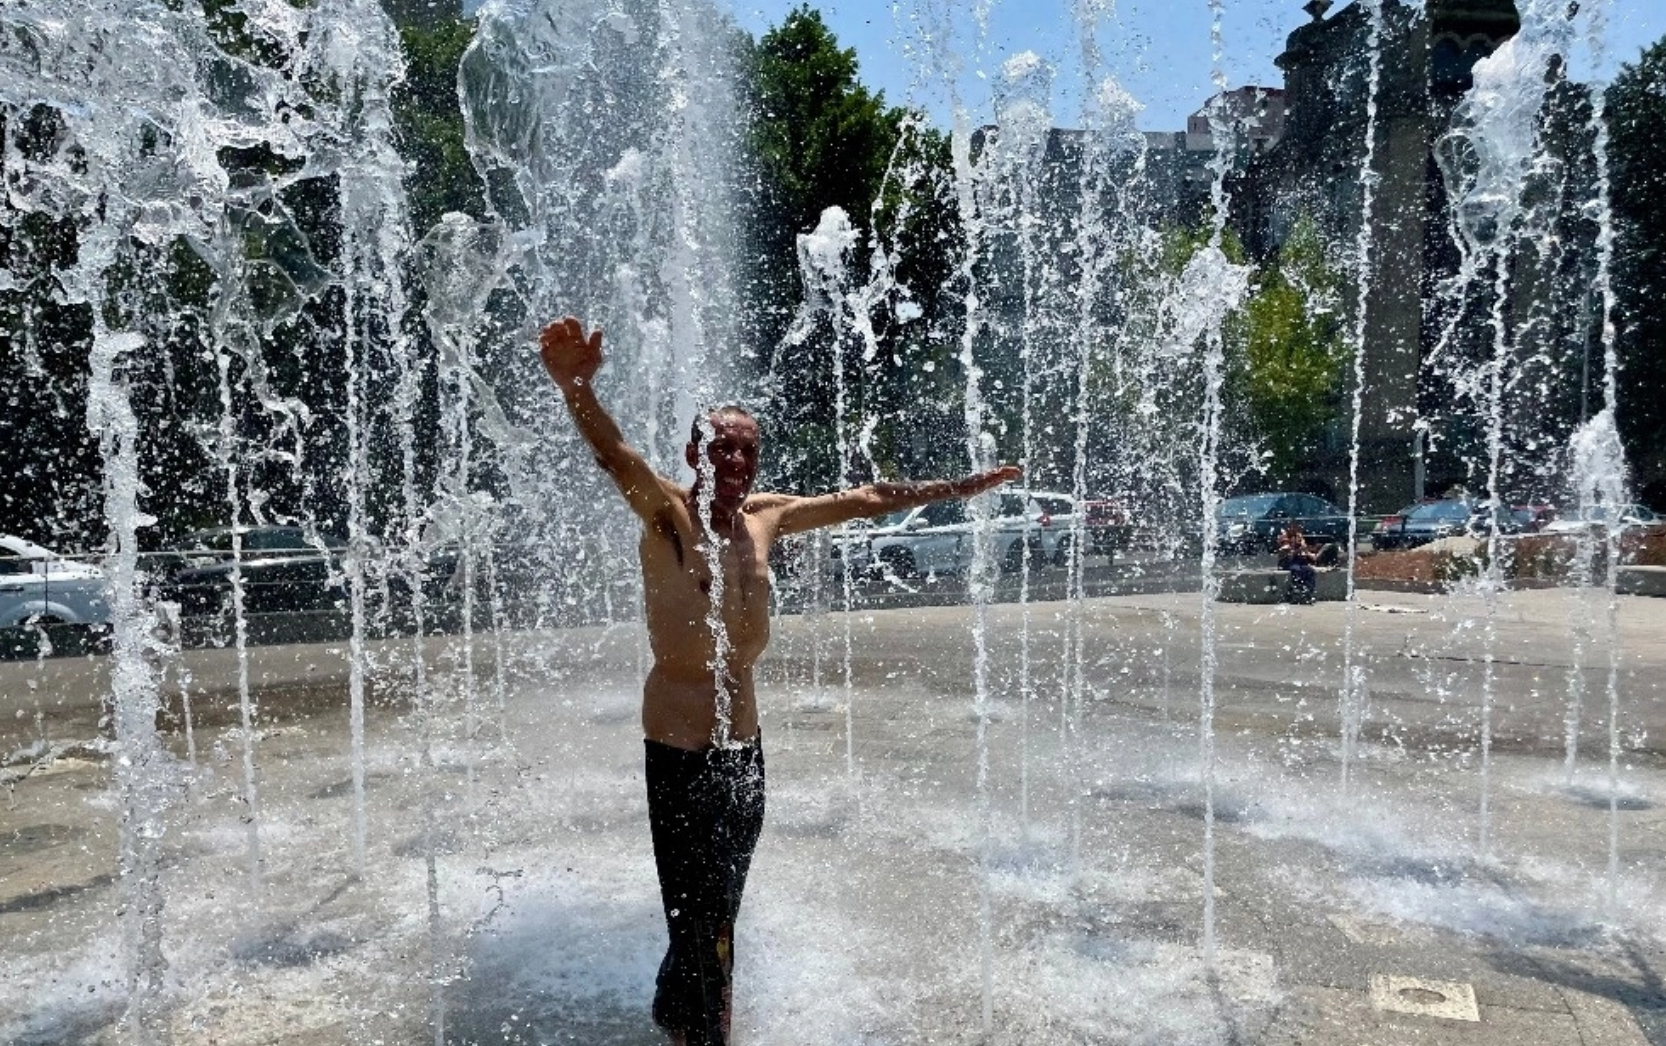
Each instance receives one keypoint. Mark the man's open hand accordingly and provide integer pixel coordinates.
(571, 358)
(982, 481)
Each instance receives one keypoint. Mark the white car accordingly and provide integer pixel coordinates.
(851, 546)
(39, 587)
(1599, 516)
(1054, 515)
(937, 538)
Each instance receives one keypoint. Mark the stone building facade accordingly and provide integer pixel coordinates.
(1413, 441)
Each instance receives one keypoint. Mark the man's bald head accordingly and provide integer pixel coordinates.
(697, 432)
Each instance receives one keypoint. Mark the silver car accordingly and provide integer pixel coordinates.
(937, 538)
(39, 587)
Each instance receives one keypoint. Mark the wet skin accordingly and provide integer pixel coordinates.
(681, 705)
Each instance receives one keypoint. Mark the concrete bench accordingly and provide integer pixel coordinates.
(1273, 586)
(1640, 581)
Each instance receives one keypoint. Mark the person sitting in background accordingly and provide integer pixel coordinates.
(1299, 558)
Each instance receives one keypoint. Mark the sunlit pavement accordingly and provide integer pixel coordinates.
(1441, 895)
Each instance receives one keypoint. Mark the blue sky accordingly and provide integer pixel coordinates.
(1157, 50)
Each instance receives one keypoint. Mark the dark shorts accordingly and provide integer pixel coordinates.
(705, 810)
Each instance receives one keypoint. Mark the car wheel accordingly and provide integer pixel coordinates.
(25, 640)
(900, 561)
(1013, 561)
(1061, 553)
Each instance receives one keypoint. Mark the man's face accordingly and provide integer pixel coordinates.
(733, 454)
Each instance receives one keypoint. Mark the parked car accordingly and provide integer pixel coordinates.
(793, 556)
(1428, 521)
(1600, 516)
(849, 545)
(1050, 515)
(1390, 533)
(40, 587)
(1534, 517)
(1108, 530)
(1252, 523)
(290, 568)
(284, 568)
(937, 538)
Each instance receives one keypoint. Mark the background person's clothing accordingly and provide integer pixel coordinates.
(705, 810)
(1303, 581)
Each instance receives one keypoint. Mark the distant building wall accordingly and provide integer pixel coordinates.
(1317, 168)
(1256, 114)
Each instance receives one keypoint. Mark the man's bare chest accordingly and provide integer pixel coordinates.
(681, 565)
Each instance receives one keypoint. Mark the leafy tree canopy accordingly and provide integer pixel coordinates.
(822, 137)
(1292, 351)
(1636, 110)
(430, 122)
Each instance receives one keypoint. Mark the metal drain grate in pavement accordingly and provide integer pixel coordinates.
(1449, 999)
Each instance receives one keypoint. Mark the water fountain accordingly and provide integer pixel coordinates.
(437, 832)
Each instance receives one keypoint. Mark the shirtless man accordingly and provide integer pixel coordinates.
(704, 759)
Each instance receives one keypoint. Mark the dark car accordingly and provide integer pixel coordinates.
(1252, 523)
(288, 569)
(284, 568)
(1430, 521)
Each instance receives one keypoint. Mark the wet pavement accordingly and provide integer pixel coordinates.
(1050, 849)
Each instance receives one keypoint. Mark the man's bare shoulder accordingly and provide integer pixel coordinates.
(766, 501)
(674, 495)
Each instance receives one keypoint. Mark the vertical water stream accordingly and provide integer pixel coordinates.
(1353, 680)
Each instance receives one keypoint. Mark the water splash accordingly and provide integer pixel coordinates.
(1488, 159)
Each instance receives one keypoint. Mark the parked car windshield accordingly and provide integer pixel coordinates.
(944, 513)
(1256, 505)
(892, 519)
(259, 539)
(1441, 510)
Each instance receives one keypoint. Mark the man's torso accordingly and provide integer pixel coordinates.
(680, 703)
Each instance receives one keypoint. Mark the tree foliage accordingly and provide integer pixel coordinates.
(1284, 353)
(818, 139)
(1291, 351)
(430, 120)
(1636, 109)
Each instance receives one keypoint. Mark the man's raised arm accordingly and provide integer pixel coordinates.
(874, 499)
(572, 360)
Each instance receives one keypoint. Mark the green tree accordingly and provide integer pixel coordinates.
(1636, 109)
(430, 122)
(1289, 351)
(818, 138)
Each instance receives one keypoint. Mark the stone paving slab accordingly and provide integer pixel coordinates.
(1641, 581)
(1332, 1015)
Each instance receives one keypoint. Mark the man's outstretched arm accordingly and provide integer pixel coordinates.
(874, 499)
(572, 359)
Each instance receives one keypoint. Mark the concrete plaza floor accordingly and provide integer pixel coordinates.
(1055, 861)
